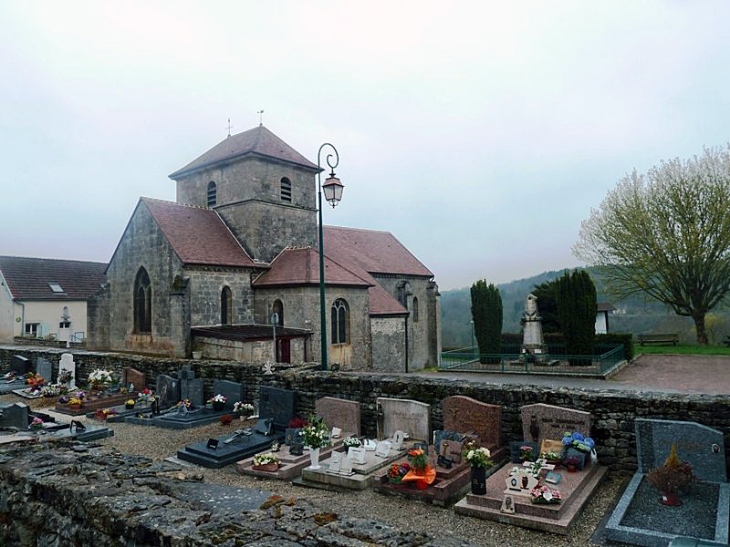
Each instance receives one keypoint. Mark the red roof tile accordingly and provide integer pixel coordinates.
(373, 251)
(300, 266)
(383, 303)
(257, 141)
(30, 278)
(197, 234)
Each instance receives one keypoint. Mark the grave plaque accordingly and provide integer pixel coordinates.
(383, 449)
(466, 415)
(67, 363)
(292, 435)
(346, 466)
(701, 446)
(336, 462)
(541, 421)
(520, 482)
(398, 438)
(168, 390)
(276, 403)
(134, 377)
(339, 413)
(357, 455)
(410, 416)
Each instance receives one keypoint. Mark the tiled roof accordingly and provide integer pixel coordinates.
(300, 266)
(383, 303)
(31, 278)
(197, 234)
(257, 141)
(373, 251)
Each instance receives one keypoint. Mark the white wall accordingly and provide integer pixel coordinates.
(6, 312)
(49, 314)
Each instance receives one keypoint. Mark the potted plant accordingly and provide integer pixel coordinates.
(479, 458)
(578, 441)
(527, 454)
(418, 459)
(672, 477)
(36, 424)
(226, 419)
(542, 495)
(218, 402)
(75, 403)
(242, 410)
(316, 436)
(551, 457)
(266, 462)
(100, 379)
(571, 463)
(351, 442)
(129, 404)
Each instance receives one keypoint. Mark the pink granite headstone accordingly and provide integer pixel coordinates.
(541, 421)
(466, 415)
(339, 413)
(134, 377)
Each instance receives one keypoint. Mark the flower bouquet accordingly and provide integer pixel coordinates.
(316, 433)
(146, 396)
(397, 471)
(542, 495)
(527, 453)
(65, 376)
(578, 441)
(75, 402)
(418, 460)
(477, 456)
(244, 410)
(351, 442)
(267, 461)
(670, 478)
(217, 401)
(100, 379)
(36, 424)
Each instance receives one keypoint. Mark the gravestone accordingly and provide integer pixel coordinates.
(67, 364)
(467, 415)
(279, 404)
(191, 388)
(168, 390)
(20, 364)
(339, 413)
(134, 377)
(13, 415)
(45, 369)
(541, 421)
(410, 416)
(232, 391)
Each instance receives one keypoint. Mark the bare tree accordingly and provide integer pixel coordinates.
(666, 234)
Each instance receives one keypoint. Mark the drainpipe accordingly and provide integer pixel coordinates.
(406, 321)
(22, 320)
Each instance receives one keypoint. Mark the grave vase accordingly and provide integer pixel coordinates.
(218, 405)
(314, 457)
(478, 480)
(670, 498)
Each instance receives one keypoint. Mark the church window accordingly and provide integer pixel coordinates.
(212, 194)
(278, 309)
(340, 322)
(415, 309)
(286, 190)
(226, 306)
(142, 302)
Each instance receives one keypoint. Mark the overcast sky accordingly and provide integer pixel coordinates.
(479, 133)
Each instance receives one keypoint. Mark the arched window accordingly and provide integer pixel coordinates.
(212, 194)
(278, 309)
(286, 190)
(226, 306)
(415, 309)
(340, 322)
(142, 302)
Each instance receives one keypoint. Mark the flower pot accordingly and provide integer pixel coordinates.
(571, 468)
(74, 407)
(395, 480)
(128, 406)
(478, 480)
(314, 458)
(671, 499)
(218, 406)
(421, 485)
(268, 467)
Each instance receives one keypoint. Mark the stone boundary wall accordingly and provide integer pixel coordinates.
(612, 410)
(69, 494)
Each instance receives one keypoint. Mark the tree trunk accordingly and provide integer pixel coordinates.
(699, 319)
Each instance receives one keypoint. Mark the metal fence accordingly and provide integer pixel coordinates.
(555, 361)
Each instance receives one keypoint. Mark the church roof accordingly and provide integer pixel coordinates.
(373, 251)
(197, 234)
(383, 303)
(258, 141)
(51, 279)
(300, 266)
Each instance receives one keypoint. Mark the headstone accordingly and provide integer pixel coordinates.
(276, 403)
(700, 446)
(134, 377)
(13, 416)
(466, 415)
(339, 413)
(357, 455)
(410, 416)
(541, 421)
(232, 391)
(335, 462)
(20, 364)
(67, 363)
(168, 390)
(45, 369)
(383, 449)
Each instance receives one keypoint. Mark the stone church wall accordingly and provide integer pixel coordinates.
(389, 351)
(206, 286)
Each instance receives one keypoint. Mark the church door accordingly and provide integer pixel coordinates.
(284, 350)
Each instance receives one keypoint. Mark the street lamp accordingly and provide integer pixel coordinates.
(473, 343)
(333, 194)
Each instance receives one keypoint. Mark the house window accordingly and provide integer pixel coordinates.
(415, 309)
(278, 309)
(286, 190)
(31, 329)
(340, 322)
(212, 194)
(226, 306)
(55, 287)
(142, 302)
(64, 325)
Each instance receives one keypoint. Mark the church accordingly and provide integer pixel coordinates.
(230, 270)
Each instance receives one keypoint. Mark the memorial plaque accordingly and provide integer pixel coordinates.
(410, 416)
(357, 455)
(292, 435)
(383, 449)
(278, 404)
(398, 438)
(346, 466)
(541, 421)
(336, 462)
(339, 413)
(466, 415)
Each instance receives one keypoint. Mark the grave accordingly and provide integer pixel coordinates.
(702, 519)
(67, 364)
(14, 416)
(276, 409)
(507, 499)
(464, 419)
(94, 402)
(360, 468)
(336, 413)
(134, 380)
(191, 388)
(45, 369)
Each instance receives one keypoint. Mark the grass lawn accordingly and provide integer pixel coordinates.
(681, 349)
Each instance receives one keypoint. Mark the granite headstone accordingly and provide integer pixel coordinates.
(277, 403)
(541, 421)
(410, 416)
(467, 415)
(339, 413)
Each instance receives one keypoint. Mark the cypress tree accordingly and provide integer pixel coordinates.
(577, 306)
(486, 311)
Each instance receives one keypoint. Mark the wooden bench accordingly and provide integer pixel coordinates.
(665, 339)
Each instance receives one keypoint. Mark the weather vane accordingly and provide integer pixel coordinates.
(261, 117)
(229, 127)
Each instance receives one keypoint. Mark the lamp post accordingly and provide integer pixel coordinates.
(473, 343)
(333, 194)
